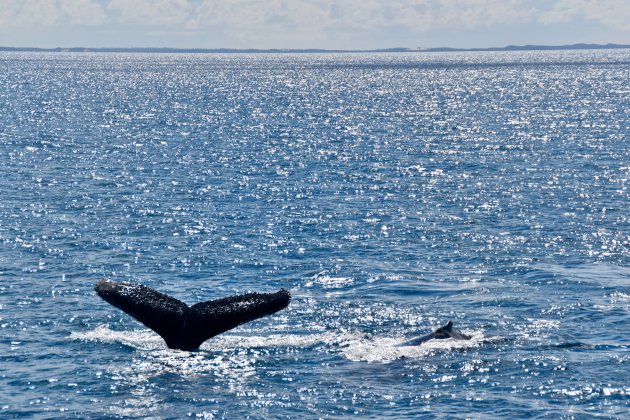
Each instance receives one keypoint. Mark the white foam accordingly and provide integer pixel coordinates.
(146, 339)
(231, 342)
(388, 349)
(329, 282)
(353, 346)
(139, 339)
(619, 297)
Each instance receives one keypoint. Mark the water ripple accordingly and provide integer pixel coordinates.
(389, 193)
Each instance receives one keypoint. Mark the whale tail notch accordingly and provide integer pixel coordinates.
(183, 327)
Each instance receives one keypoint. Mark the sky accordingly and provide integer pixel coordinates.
(297, 24)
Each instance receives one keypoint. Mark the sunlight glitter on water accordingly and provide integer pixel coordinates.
(389, 193)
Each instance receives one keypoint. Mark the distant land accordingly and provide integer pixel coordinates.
(276, 51)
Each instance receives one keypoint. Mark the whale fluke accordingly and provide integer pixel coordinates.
(446, 331)
(186, 327)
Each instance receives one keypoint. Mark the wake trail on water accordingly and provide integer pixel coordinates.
(147, 340)
(353, 346)
(387, 349)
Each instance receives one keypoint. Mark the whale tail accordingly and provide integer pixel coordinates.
(183, 327)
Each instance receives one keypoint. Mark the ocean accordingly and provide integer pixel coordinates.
(390, 193)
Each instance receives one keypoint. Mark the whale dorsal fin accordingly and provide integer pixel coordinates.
(448, 328)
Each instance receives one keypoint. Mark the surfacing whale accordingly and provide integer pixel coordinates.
(446, 331)
(186, 327)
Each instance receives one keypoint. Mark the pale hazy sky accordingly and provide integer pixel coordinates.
(330, 24)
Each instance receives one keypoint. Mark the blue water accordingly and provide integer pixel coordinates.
(389, 193)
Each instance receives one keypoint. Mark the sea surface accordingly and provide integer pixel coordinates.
(390, 193)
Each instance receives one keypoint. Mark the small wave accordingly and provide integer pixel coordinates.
(589, 391)
(329, 282)
(619, 297)
(537, 325)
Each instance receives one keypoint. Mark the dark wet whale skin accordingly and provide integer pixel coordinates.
(441, 333)
(186, 327)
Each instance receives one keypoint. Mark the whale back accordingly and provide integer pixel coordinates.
(441, 333)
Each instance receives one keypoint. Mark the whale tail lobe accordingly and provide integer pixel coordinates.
(186, 327)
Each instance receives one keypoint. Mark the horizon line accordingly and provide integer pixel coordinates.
(526, 47)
